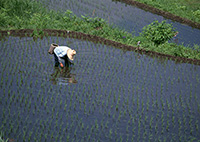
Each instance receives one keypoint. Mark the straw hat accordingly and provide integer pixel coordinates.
(71, 53)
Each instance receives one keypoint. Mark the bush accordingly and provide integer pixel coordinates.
(158, 33)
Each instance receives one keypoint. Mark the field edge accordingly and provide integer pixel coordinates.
(97, 39)
(165, 14)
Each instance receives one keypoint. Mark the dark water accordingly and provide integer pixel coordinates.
(123, 16)
(108, 95)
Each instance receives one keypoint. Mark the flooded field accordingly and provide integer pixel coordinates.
(108, 95)
(124, 16)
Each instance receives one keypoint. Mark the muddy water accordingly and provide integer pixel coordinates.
(124, 16)
(108, 95)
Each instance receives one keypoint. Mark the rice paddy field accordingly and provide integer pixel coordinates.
(108, 95)
(130, 18)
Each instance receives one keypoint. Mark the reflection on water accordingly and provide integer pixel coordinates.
(62, 76)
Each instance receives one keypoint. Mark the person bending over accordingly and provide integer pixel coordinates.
(63, 55)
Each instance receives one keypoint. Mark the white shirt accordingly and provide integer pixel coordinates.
(61, 51)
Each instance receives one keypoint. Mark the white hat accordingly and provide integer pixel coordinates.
(71, 53)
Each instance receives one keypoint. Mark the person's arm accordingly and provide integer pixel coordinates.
(59, 59)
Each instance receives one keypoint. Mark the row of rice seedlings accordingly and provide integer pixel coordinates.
(23, 94)
(163, 104)
(98, 99)
(106, 101)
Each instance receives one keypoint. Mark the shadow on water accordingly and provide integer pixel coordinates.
(63, 76)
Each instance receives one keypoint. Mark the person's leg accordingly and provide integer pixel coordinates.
(56, 60)
(67, 62)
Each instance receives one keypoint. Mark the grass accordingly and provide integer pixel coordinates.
(30, 15)
(114, 100)
(188, 9)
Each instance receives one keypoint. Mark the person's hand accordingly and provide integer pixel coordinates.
(61, 65)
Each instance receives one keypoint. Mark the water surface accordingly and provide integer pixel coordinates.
(108, 95)
(124, 16)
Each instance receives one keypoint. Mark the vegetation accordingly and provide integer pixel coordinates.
(25, 14)
(120, 95)
(1, 138)
(158, 33)
(188, 9)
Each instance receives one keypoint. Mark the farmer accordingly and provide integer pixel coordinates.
(63, 55)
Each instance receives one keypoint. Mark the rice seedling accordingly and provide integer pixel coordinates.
(93, 97)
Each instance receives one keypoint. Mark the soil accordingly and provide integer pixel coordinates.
(83, 36)
(162, 13)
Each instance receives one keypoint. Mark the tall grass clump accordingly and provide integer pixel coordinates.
(158, 33)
